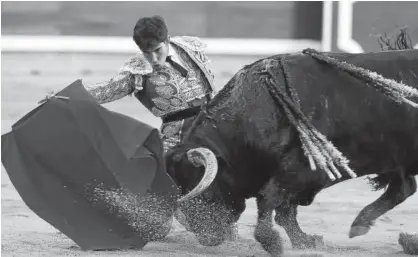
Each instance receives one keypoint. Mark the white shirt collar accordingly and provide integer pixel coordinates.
(174, 55)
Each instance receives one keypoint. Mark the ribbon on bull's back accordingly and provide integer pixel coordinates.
(97, 176)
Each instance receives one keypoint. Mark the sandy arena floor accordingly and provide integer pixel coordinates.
(26, 78)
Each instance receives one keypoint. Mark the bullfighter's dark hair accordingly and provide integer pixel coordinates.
(150, 30)
(401, 42)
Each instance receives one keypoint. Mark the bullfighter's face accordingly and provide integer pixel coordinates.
(157, 53)
(205, 215)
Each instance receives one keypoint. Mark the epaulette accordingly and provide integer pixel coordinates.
(137, 65)
(194, 45)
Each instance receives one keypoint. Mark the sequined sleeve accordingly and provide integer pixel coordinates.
(116, 88)
(127, 81)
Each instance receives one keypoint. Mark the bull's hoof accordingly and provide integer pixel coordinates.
(270, 240)
(162, 232)
(232, 233)
(358, 231)
(409, 243)
(207, 240)
(309, 242)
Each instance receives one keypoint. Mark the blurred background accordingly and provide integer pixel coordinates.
(48, 45)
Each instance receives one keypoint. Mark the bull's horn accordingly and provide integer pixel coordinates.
(202, 156)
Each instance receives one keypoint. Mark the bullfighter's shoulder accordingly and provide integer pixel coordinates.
(190, 43)
(137, 65)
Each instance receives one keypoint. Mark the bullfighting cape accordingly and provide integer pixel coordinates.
(95, 175)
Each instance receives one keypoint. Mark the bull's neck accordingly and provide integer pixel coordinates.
(208, 134)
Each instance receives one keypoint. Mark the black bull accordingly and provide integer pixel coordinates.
(258, 152)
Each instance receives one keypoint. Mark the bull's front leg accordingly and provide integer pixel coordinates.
(264, 233)
(299, 185)
(286, 217)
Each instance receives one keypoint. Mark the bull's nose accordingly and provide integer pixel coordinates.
(210, 240)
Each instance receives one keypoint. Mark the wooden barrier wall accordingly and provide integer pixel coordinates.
(204, 19)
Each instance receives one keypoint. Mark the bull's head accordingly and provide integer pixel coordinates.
(195, 171)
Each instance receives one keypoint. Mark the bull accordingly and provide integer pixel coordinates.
(243, 144)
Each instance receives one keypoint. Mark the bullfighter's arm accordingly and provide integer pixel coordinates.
(127, 81)
(116, 88)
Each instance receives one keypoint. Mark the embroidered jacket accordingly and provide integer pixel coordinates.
(165, 90)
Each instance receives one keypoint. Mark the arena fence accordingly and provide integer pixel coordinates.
(123, 45)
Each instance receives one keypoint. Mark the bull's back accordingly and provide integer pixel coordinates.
(358, 119)
(364, 124)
